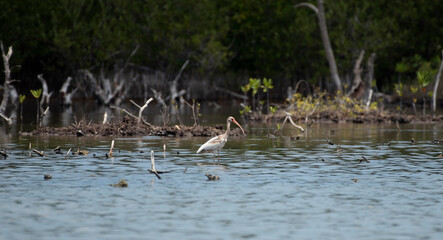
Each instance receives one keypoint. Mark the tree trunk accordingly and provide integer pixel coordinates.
(5, 100)
(437, 81)
(320, 11)
(358, 86)
(327, 45)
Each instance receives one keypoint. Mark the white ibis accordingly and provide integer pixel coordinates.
(215, 144)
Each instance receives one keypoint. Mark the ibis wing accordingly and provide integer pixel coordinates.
(210, 145)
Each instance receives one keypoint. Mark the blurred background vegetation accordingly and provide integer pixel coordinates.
(226, 42)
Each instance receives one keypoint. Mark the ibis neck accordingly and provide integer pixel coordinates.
(228, 127)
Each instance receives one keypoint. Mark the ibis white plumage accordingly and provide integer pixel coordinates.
(215, 144)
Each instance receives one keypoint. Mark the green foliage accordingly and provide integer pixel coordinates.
(245, 88)
(272, 109)
(342, 104)
(255, 85)
(399, 89)
(261, 38)
(36, 93)
(245, 110)
(267, 84)
(401, 67)
(22, 98)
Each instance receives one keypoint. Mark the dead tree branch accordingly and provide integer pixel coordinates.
(173, 86)
(153, 166)
(6, 58)
(437, 81)
(320, 12)
(357, 88)
(42, 115)
(141, 109)
(67, 96)
(7, 87)
(288, 117)
(159, 98)
(7, 119)
(46, 96)
(195, 107)
(234, 94)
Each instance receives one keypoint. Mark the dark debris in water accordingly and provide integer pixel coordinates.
(4, 154)
(363, 159)
(212, 177)
(123, 183)
(57, 150)
(47, 176)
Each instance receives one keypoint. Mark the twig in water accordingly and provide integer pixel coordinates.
(153, 166)
(67, 153)
(57, 150)
(109, 155)
(288, 117)
(40, 153)
(164, 151)
(363, 159)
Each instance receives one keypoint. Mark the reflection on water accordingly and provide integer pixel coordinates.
(269, 188)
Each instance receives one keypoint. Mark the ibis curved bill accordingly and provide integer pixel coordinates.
(215, 144)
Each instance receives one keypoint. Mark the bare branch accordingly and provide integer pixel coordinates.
(141, 109)
(8, 119)
(292, 122)
(139, 118)
(173, 87)
(357, 86)
(234, 94)
(309, 5)
(111, 150)
(437, 81)
(6, 58)
(153, 166)
(105, 117)
(46, 96)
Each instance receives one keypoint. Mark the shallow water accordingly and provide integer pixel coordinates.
(269, 188)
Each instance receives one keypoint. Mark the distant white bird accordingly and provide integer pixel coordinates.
(215, 144)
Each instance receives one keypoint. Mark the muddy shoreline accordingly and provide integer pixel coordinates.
(339, 117)
(129, 127)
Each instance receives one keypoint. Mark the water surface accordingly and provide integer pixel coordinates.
(269, 188)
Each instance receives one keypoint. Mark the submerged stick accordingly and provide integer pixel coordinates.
(40, 153)
(67, 153)
(164, 151)
(111, 150)
(288, 117)
(153, 166)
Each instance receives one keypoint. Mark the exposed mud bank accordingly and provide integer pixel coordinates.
(129, 127)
